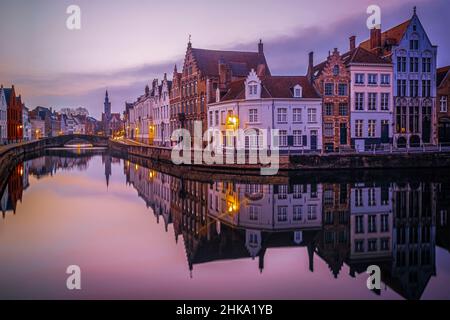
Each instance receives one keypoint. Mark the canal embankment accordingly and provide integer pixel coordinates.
(393, 159)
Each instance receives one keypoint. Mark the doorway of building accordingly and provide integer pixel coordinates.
(313, 139)
(343, 133)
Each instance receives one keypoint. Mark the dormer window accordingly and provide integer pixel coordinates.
(253, 88)
(336, 70)
(298, 91)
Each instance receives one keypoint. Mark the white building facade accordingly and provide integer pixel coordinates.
(289, 104)
(26, 124)
(161, 113)
(371, 96)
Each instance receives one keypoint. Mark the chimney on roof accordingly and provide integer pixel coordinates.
(352, 42)
(260, 47)
(375, 37)
(310, 72)
(261, 70)
(224, 74)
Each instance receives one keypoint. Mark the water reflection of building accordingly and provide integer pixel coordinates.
(372, 224)
(152, 186)
(333, 244)
(414, 207)
(49, 165)
(442, 208)
(262, 211)
(13, 190)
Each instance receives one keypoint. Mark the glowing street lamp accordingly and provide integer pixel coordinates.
(233, 121)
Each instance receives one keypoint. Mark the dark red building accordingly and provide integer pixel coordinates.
(14, 114)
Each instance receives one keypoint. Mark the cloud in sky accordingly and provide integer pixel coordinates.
(129, 45)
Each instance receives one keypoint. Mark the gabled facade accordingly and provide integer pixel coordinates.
(289, 104)
(175, 100)
(14, 115)
(161, 113)
(332, 80)
(205, 71)
(414, 61)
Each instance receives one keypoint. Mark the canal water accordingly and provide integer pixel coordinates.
(138, 233)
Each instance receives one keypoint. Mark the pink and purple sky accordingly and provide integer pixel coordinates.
(123, 45)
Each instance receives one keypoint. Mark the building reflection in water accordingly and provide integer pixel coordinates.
(393, 225)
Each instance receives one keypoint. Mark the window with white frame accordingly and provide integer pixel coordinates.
(329, 89)
(282, 115)
(372, 245)
(372, 101)
(253, 115)
(443, 104)
(253, 213)
(211, 119)
(312, 115)
(282, 138)
(297, 91)
(372, 78)
(359, 245)
(384, 222)
(342, 89)
(358, 198)
(329, 129)
(359, 101)
(359, 78)
(297, 115)
(282, 191)
(371, 128)
(371, 196)
(358, 128)
(297, 213)
(372, 223)
(282, 214)
(222, 117)
(359, 225)
(328, 109)
(216, 114)
(253, 88)
(385, 79)
(297, 138)
(297, 191)
(312, 212)
(384, 101)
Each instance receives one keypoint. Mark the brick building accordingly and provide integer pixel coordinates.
(332, 79)
(443, 113)
(203, 72)
(14, 114)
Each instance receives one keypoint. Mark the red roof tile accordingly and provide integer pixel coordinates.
(273, 87)
(440, 74)
(389, 37)
(241, 62)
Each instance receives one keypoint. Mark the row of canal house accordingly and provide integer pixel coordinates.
(381, 92)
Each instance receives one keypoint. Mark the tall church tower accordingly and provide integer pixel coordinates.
(107, 115)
